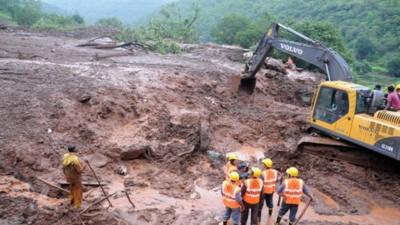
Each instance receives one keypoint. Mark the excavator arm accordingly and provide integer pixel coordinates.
(311, 51)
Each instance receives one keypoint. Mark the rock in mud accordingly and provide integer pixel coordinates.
(122, 170)
(205, 135)
(133, 182)
(136, 151)
(98, 160)
(277, 65)
(85, 98)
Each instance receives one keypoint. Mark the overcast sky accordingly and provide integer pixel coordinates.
(129, 11)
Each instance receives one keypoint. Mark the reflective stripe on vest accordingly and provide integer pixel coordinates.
(253, 190)
(293, 191)
(229, 191)
(270, 177)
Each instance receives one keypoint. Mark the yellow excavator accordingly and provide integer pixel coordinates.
(351, 114)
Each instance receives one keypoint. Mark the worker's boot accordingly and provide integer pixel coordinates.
(278, 220)
(269, 211)
(225, 222)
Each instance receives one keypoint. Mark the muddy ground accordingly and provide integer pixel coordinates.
(183, 112)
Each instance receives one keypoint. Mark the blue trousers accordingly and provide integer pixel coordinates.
(269, 201)
(288, 207)
(234, 213)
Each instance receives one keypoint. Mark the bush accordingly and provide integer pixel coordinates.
(78, 19)
(364, 48)
(362, 67)
(393, 65)
(110, 22)
(57, 22)
(163, 32)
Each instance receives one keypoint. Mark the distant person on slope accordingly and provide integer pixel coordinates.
(393, 99)
(73, 169)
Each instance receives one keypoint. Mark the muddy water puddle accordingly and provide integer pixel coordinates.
(201, 199)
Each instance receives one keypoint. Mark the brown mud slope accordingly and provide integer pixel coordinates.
(181, 113)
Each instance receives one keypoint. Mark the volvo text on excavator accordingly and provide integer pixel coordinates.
(340, 109)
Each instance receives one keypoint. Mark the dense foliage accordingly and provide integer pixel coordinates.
(29, 13)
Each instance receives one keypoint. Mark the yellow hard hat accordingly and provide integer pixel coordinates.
(231, 156)
(292, 171)
(234, 176)
(398, 87)
(256, 172)
(267, 162)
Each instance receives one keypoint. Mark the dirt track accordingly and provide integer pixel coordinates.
(54, 93)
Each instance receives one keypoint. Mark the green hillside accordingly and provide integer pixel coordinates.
(370, 29)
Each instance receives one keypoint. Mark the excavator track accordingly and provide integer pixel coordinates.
(336, 150)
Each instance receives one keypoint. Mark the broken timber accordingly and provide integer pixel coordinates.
(52, 185)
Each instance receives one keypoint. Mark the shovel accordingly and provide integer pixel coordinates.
(304, 211)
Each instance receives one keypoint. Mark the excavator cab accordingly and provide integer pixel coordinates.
(333, 109)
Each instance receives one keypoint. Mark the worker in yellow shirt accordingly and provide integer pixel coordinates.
(73, 168)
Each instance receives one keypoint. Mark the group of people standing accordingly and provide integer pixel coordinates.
(246, 188)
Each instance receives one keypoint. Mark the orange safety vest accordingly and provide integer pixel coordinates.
(253, 190)
(229, 191)
(229, 168)
(293, 191)
(270, 176)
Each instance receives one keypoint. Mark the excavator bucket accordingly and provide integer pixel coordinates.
(247, 85)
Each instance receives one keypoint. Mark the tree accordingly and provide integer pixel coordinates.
(231, 27)
(364, 48)
(78, 19)
(327, 34)
(26, 13)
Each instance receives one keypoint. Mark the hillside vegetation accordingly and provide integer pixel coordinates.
(369, 29)
(30, 13)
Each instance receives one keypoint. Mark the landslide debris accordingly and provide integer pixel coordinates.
(146, 122)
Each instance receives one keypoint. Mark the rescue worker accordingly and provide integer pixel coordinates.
(292, 190)
(270, 177)
(243, 169)
(231, 165)
(251, 192)
(232, 198)
(73, 168)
